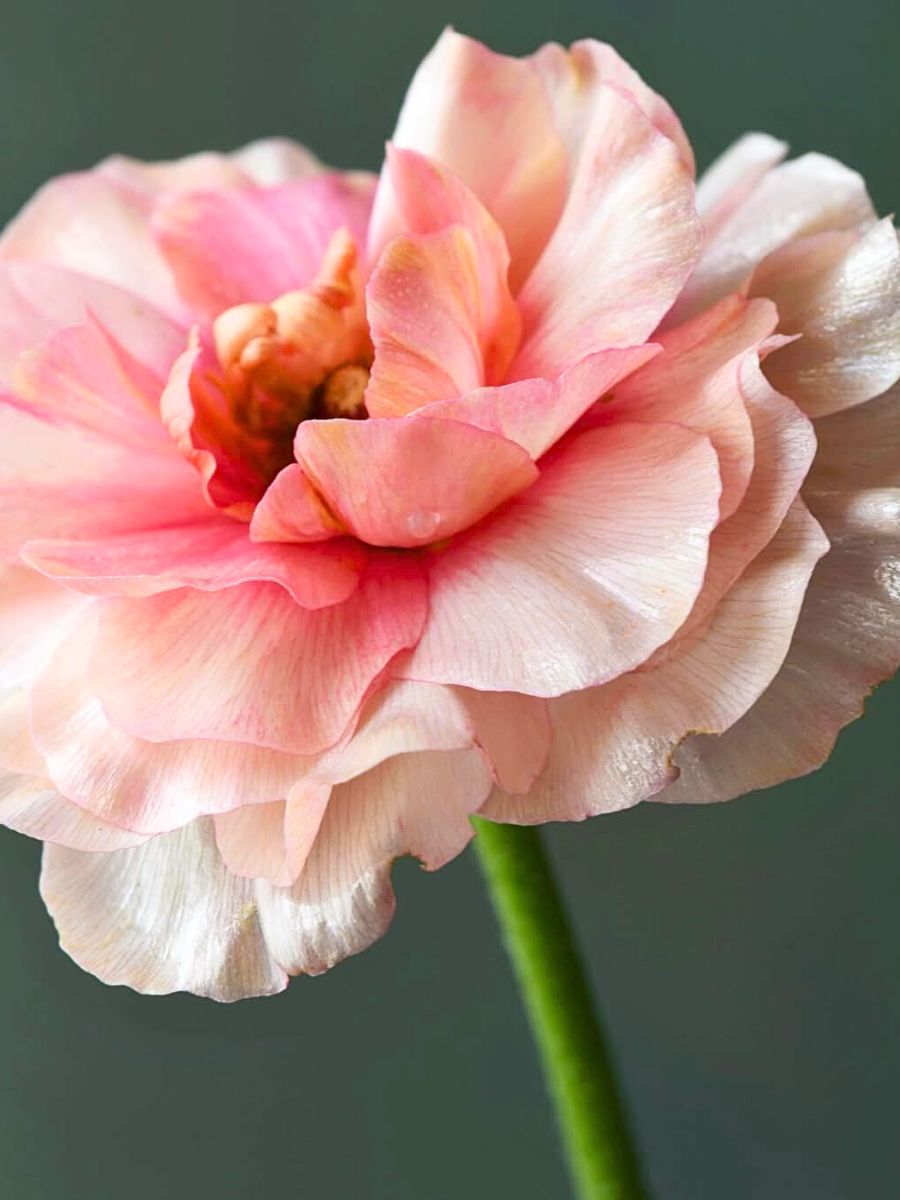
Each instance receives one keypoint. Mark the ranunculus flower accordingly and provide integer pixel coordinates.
(338, 510)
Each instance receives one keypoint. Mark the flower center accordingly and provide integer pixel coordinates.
(305, 355)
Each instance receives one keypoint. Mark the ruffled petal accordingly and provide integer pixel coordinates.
(585, 575)
(729, 181)
(410, 482)
(487, 118)
(229, 246)
(247, 664)
(630, 215)
(841, 293)
(812, 194)
(32, 807)
(441, 319)
(613, 745)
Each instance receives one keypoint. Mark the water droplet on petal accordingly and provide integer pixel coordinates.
(423, 523)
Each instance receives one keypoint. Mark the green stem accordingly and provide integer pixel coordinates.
(558, 1001)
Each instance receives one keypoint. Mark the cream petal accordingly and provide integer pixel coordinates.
(841, 293)
(31, 806)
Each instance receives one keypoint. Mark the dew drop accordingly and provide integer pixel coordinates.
(423, 523)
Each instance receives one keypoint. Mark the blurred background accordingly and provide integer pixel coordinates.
(747, 955)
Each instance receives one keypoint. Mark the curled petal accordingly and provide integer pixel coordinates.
(31, 806)
(622, 250)
(812, 194)
(488, 119)
(410, 482)
(442, 321)
(585, 575)
(730, 180)
(841, 293)
(613, 745)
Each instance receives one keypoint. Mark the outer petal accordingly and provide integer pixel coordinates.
(613, 745)
(210, 555)
(583, 577)
(293, 511)
(226, 247)
(848, 634)
(32, 807)
(488, 119)
(732, 178)
(273, 841)
(841, 293)
(247, 664)
(536, 413)
(441, 318)
(630, 218)
(812, 194)
(410, 482)
(574, 77)
(268, 162)
(168, 916)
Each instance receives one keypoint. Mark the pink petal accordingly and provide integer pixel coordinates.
(514, 733)
(487, 118)
(273, 841)
(233, 245)
(38, 300)
(80, 378)
(293, 511)
(696, 383)
(57, 482)
(96, 226)
(410, 482)
(613, 745)
(441, 319)
(574, 76)
(211, 554)
(630, 215)
(812, 194)
(841, 292)
(141, 786)
(247, 664)
(535, 413)
(268, 162)
(584, 576)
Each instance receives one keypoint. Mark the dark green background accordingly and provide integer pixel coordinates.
(748, 955)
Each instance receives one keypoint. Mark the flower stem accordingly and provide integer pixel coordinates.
(558, 1001)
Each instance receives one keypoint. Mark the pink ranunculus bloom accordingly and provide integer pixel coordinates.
(530, 479)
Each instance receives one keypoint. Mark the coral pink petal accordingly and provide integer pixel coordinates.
(585, 575)
(514, 734)
(812, 194)
(273, 841)
(292, 511)
(56, 482)
(841, 293)
(696, 383)
(247, 664)
(226, 247)
(535, 413)
(630, 215)
(613, 745)
(441, 318)
(410, 482)
(98, 227)
(487, 118)
(574, 76)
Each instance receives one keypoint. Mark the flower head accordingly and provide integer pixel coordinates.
(529, 479)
